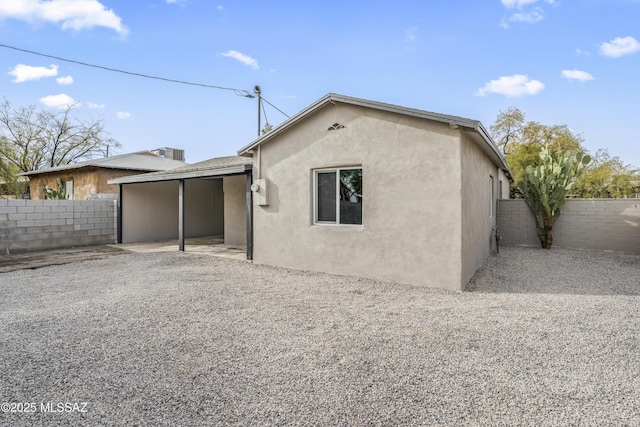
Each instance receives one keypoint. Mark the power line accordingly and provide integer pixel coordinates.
(239, 92)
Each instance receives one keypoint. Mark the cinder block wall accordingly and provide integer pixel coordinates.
(589, 224)
(43, 224)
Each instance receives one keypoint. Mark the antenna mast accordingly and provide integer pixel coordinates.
(258, 92)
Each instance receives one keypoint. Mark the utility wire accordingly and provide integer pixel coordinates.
(239, 92)
(282, 112)
(264, 113)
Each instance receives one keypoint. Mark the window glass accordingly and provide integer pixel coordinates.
(338, 196)
(326, 203)
(351, 196)
(68, 188)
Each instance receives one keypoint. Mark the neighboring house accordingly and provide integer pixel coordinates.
(350, 186)
(90, 177)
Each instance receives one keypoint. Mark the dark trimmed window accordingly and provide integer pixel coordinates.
(338, 196)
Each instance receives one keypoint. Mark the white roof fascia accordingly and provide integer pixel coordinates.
(156, 176)
(332, 97)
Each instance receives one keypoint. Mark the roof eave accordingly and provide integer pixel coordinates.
(452, 121)
(489, 141)
(136, 179)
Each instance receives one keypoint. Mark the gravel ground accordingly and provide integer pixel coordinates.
(541, 338)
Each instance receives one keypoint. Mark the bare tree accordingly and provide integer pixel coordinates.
(32, 139)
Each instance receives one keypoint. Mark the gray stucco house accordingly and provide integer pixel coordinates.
(346, 186)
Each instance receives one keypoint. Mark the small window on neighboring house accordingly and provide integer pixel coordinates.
(338, 196)
(500, 189)
(68, 189)
(491, 196)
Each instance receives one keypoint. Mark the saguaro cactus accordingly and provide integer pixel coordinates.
(545, 188)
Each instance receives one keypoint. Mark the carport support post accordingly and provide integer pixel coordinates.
(249, 215)
(181, 214)
(119, 218)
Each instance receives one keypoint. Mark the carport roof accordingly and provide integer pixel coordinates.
(218, 166)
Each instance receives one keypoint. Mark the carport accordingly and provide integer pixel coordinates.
(211, 198)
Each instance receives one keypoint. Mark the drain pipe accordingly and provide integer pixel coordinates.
(498, 238)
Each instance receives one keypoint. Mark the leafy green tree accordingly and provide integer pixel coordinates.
(266, 129)
(507, 129)
(607, 177)
(9, 183)
(522, 141)
(545, 188)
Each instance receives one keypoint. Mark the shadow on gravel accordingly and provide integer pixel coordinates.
(558, 271)
(33, 260)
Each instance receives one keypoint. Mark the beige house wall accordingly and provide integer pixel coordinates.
(411, 230)
(479, 208)
(235, 210)
(86, 181)
(149, 211)
(204, 208)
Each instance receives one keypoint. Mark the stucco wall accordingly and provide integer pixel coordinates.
(86, 181)
(589, 224)
(235, 210)
(150, 210)
(204, 208)
(411, 205)
(478, 217)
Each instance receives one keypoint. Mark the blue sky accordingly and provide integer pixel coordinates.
(573, 62)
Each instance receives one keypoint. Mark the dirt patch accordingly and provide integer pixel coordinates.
(33, 260)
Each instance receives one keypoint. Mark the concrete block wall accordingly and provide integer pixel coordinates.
(43, 224)
(589, 224)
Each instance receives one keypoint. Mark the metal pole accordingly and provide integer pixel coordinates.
(258, 93)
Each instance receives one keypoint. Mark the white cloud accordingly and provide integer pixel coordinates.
(246, 60)
(59, 101)
(95, 106)
(620, 46)
(581, 52)
(24, 73)
(528, 17)
(70, 14)
(180, 2)
(519, 4)
(64, 80)
(123, 115)
(512, 86)
(525, 14)
(411, 34)
(581, 76)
